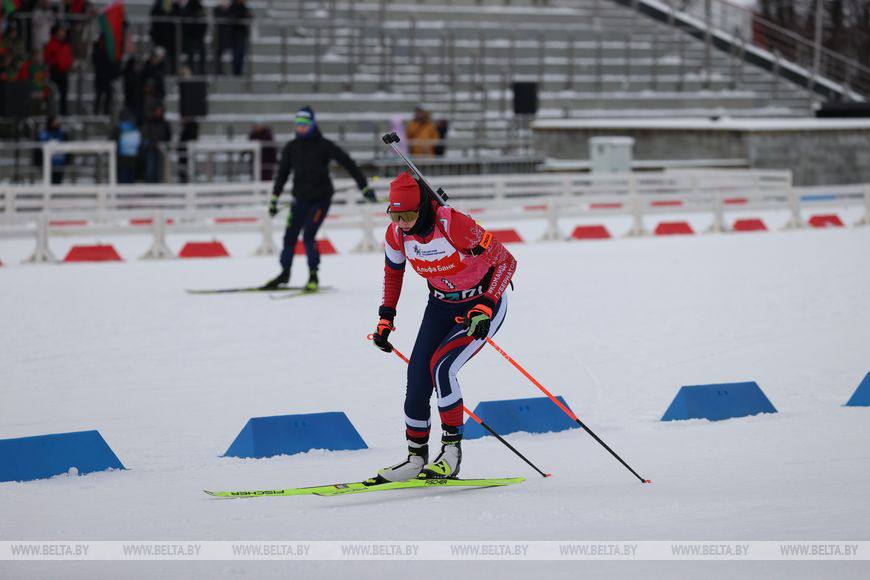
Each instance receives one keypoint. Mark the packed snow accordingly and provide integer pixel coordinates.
(616, 327)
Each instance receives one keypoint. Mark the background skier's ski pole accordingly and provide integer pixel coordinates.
(482, 424)
(567, 411)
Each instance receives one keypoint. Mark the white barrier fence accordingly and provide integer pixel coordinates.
(44, 211)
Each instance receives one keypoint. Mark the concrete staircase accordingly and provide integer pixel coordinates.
(361, 64)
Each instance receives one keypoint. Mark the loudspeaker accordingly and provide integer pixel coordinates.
(14, 100)
(525, 98)
(836, 109)
(193, 98)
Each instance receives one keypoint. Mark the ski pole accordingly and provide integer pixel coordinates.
(480, 422)
(567, 411)
(391, 139)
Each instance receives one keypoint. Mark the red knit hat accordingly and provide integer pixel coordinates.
(404, 194)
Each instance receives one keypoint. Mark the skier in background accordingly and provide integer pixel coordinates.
(468, 272)
(308, 157)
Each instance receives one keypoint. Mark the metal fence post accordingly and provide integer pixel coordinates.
(267, 244)
(570, 80)
(383, 44)
(284, 55)
(865, 221)
(412, 40)
(708, 42)
(158, 250)
(681, 63)
(718, 225)
(317, 57)
(599, 64)
(794, 203)
(42, 253)
(774, 90)
(552, 232)
(367, 225)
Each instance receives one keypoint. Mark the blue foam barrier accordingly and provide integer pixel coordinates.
(861, 396)
(533, 415)
(289, 434)
(820, 197)
(718, 402)
(43, 456)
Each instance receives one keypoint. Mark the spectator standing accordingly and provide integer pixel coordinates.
(155, 71)
(193, 38)
(79, 13)
(422, 134)
(189, 132)
(241, 19)
(164, 23)
(223, 33)
(58, 57)
(156, 131)
(132, 78)
(442, 127)
(43, 22)
(129, 139)
(53, 132)
(268, 151)
(105, 73)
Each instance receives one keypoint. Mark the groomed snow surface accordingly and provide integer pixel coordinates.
(616, 327)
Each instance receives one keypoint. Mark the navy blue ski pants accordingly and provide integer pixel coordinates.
(442, 347)
(306, 216)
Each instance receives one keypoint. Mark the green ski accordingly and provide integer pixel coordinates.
(301, 292)
(371, 485)
(249, 289)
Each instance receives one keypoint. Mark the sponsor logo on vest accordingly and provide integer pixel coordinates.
(459, 295)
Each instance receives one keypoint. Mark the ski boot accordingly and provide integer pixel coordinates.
(313, 284)
(408, 469)
(280, 280)
(446, 465)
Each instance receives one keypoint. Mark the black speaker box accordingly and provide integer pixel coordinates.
(193, 98)
(14, 100)
(836, 109)
(525, 98)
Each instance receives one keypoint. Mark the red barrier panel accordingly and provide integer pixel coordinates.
(235, 220)
(213, 249)
(98, 253)
(590, 233)
(736, 200)
(674, 229)
(540, 207)
(749, 225)
(62, 223)
(605, 205)
(145, 221)
(324, 246)
(670, 203)
(826, 221)
(507, 236)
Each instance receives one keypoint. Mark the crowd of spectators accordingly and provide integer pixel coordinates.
(43, 41)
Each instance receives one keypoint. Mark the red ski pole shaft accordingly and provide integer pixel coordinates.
(567, 411)
(480, 422)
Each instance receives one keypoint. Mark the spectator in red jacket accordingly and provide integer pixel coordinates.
(59, 59)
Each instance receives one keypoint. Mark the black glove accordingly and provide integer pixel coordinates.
(477, 321)
(368, 192)
(273, 206)
(382, 333)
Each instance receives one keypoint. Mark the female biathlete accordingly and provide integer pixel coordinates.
(468, 272)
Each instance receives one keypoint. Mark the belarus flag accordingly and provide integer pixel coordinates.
(10, 6)
(111, 22)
